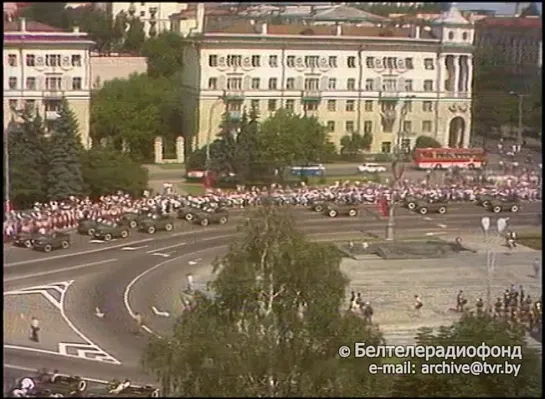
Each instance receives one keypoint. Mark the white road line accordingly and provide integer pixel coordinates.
(430, 234)
(170, 246)
(427, 218)
(138, 277)
(161, 254)
(443, 226)
(64, 269)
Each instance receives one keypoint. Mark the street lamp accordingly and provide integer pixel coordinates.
(520, 108)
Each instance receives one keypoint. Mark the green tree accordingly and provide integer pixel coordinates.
(52, 14)
(106, 171)
(98, 25)
(473, 331)
(172, 110)
(247, 167)
(355, 143)
(64, 176)
(273, 327)
(426, 142)
(164, 54)
(135, 36)
(222, 150)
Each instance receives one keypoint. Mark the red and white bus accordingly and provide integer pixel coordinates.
(444, 158)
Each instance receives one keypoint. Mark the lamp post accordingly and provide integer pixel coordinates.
(520, 108)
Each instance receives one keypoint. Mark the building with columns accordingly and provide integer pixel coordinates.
(43, 65)
(393, 82)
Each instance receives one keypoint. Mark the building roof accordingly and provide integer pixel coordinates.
(344, 13)
(36, 32)
(451, 17)
(30, 26)
(513, 22)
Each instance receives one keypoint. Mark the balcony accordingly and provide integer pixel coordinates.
(312, 95)
(234, 115)
(233, 95)
(51, 115)
(53, 93)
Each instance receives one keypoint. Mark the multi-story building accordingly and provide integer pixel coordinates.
(43, 65)
(392, 82)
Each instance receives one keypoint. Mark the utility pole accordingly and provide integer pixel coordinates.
(397, 174)
(520, 110)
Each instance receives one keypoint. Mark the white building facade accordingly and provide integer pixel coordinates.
(394, 86)
(43, 65)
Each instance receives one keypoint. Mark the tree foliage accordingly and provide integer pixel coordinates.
(135, 36)
(64, 176)
(355, 143)
(164, 54)
(53, 14)
(426, 142)
(98, 25)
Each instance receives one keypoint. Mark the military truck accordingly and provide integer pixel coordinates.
(215, 216)
(334, 210)
(131, 219)
(107, 231)
(188, 212)
(507, 205)
(23, 239)
(425, 207)
(156, 222)
(87, 227)
(52, 241)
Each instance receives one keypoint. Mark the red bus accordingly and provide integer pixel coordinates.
(444, 158)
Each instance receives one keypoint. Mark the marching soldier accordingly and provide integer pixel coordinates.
(460, 301)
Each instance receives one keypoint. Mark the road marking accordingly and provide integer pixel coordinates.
(133, 248)
(161, 254)
(97, 242)
(138, 277)
(64, 269)
(430, 234)
(427, 218)
(159, 313)
(443, 226)
(170, 246)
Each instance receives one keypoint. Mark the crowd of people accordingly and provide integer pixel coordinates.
(55, 216)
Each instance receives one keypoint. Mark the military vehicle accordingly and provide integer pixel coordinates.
(507, 205)
(188, 212)
(334, 210)
(156, 222)
(319, 206)
(484, 200)
(425, 207)
(107, 231)
(410, 202)
(206, 217)
(127, 391)
(87, 226)
(50, 384)
(131, 219)
(25, 239)
(49, 242)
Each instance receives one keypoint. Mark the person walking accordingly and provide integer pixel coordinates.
(417, 305)
(139, 323)
(34, 329)
(536, 265)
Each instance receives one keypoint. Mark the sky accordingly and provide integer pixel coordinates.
(500, 8)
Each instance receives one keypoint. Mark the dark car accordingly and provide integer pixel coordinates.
(204, 218)
(156, 222)
(87, 226)
(334, 210)
(47, 384)
(425, 207)
(52, 241)
(131, 219)
(507, 205)
(107, 231)
(188, 212)
(25, 239)
(484, 200)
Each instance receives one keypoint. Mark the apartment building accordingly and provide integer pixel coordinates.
(392, 82)
(43, 65)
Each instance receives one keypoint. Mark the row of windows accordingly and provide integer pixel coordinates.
(51, 83)
(51, 60)
(49, 105)
(349, 127)
(313, 84)
(314, 61)
(350, 106)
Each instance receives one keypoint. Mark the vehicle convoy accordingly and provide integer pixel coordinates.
(48, 242)
(506, 205)
(188, 213)
(109, 230)
(425, 207)
(156, 222)
(334, 210)
(132, 218)
(25, 239)
(87, 226)
(371, 168)
(206, 217)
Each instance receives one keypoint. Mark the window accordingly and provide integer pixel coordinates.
(367, 127)
(428, 64)
(213, 83)
(332, 84)
(273, 83)
(409, 63)
(312, 84)
(386, 147)
(331, 105)
(351, 62)
(427, 106)
(256, 60)
(12, 83)
(30, 60)
(255, 83)
(333, 62)
(76, 60)
(290, 105)
(408, 106)
(351, 84)
(310, 105)
(31, 83)
(407, 126)
(12, 60)
(311, 61)
(76, 83)
(330, 126)
(370, 62)
(290, 83)
(13, 104)
(30, 104)
(389, 85)
(52, 105)
(234, 83)
(428, 85)
(369, 84)
(349, 127)
(234, 60)
(53, 60)
(53, 83)
(142, 13)
(255, 105)
(273, 61)
(213, 60)
(272, 105)
(408, 85)
(464, 36)
(368, 106)
(451, 35)
(390, 62)
(349, 105)
(426, 126)
(290, 61)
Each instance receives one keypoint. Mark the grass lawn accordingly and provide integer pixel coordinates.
(192, 188)
(171, 166)
(531, 240)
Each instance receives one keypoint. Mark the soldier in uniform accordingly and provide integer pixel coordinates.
(479, 305)
(460, 301)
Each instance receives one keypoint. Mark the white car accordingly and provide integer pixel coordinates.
(371, 168)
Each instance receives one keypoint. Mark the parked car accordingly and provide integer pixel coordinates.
(371, 168)
(23, 239)
(507, 205)
(107, 231)
(156, 222)
(52, 241)
(424, 208)
(335, 210)
(204, 218)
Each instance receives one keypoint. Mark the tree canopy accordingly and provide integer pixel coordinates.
(355, 143)
(164, 54)
(426, 142)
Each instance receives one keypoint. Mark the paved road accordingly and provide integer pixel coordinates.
(78, 281)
